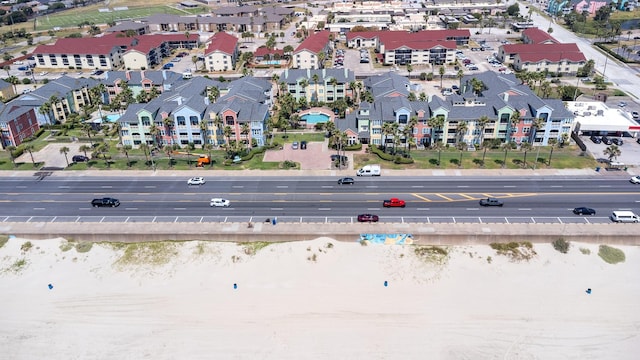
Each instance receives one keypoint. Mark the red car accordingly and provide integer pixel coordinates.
(394, 202)
(368, 218)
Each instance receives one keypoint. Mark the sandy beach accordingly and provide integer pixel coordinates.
(319, 299)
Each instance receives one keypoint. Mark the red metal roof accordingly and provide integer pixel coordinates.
(104, 44)
(550, 52)
(315, 42)
(223, 43)
(418, 44)
(263, 50)
(538, 36)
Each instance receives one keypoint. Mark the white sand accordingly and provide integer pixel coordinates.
(289, 307)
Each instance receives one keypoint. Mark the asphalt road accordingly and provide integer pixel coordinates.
(315, 199)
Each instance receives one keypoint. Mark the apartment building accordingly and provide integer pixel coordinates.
(551, 57)
(17, 123)
(222, 52)
(308, 54)
(331, 84)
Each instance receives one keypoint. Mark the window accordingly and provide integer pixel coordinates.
(145, 121)
(193, 120)
(181, 121)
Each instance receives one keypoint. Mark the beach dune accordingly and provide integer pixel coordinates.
(314, 300)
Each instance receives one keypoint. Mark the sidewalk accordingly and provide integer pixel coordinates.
(329, 173)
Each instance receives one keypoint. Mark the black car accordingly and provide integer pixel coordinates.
(595, 139)
(606, 140)
(342, 158)
(79, 158)
(368, 218)
(108, 202)
(303, 145)
(584, 211)
(491, 202)
(346, 181)
(617, 141)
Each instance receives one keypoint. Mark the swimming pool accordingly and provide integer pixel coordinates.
(315, 118)
(112, 117)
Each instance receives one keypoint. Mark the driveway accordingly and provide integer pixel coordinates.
(51, 155)
(317, 156)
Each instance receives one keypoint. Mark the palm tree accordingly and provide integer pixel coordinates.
(209, 148)
(409, 70)
(244, 130)
(437, 146)
(461, 130)
(387, 130)
(168, 149)
(104, 150)
(204, 129)
(460, 75)
(145, 148)
(395, 130)
(10, 149)
(506, 146)
(168, 124)
(482, 124)
(125, 149)
(89, 130)
(84, 149)
(441, 71)
(526, 147)
(45, 109)
(228, 131)
(553, 143)
(214, 94)
(154, 132)
(65, 150)
(536, 125)
(435, 123)
(315, 78)
(514, 120)
(29, 148)
(612, 152)
(13, 80)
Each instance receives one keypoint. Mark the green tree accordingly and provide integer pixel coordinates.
(65, 150)
(29, 148)
(441, 71)
(526, 147)
(552, 143)
(10, 149)
(145, 149)
(435, 123)
(125, 150)
(85, 149)
(612, 152)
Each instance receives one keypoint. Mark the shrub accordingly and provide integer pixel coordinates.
(610, 254)
(26, 246)
(585, 251)
(84, 247)
(514, 250)
(561, 245)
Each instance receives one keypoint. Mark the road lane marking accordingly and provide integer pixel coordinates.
(131, 208)
(423, 209)
(473, 209)
(63, 187)
(556, 186)
(38, 208)
(327, 187)
(444, 197)
(604, 186)
(324, 209)
(373, 209)
(417, 186)
(467, 196)
(421, 197)
(84, 208)
(106, 187)
(150, 187)
(276, 209)
(524, 209)
(509, 186)
(179, 208)
(371, 186)
(238, 187)
(463, 186)
(21, 187)
(282, 186)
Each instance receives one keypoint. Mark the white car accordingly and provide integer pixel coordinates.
(196, 181)
(635, 180)
(217, 202)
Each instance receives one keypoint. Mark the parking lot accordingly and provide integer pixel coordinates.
(630, 150)
(317, 156)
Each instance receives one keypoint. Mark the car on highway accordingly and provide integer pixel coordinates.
(635, 180)
(394, 202)
(198, 180)
(368, 218)
(346, 181)
(218, 202)
(105, 202)
(491, 202)
(79, 158)
(584, 211)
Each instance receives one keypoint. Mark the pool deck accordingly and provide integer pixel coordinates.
(316, 111)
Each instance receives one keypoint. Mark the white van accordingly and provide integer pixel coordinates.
(369, 170)
(624, 217)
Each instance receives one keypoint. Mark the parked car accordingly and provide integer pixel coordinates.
(218, 202)
(606, 140)
(635, 180)
(394, 202)
(491, 202)
(342, 158)
(105, 202)
(167, 66)
(635, 114)
(617, 141)
(294, 146)
(198, 180)
(595, 139)
(79, 158)
(346, 181)
(303, 145)
(584, 211)
(23, 68)
(622, 103)
(368, 218)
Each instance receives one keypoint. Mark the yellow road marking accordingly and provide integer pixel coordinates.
(444, 197)
(422, 197)
(467, 196)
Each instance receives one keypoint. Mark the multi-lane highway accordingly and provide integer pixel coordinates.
(429, 199)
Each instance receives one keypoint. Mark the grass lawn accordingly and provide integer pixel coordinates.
(73, 17)
(296, 136)
(562, 158)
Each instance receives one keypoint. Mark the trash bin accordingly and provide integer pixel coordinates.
(274, 221)
(597, 168)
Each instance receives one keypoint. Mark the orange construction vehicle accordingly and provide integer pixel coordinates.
(202, 159)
